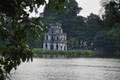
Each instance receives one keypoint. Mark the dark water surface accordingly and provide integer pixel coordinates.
(69, 69)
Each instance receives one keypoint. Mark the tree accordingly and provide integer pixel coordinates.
(77, 27)
(115, 34)
(15, 28)
(94, 25)
(73, 43)
(36, 43)
(112, 12)
(110, 41)
(71, 23)
(104, 44)
(71, 10)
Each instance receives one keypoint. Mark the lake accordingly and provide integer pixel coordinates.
(69, 69)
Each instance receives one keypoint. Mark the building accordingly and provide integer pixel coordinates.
(54, 38)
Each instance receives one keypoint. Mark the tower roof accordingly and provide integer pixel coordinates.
(54, 24)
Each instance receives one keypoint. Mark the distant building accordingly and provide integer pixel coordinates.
(54, 38)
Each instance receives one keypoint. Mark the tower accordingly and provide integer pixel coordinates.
(54, 38)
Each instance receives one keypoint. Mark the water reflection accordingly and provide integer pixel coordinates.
(69, 69)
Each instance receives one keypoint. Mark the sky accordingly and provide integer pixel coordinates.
(88, 6)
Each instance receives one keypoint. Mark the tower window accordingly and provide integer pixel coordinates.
(57, 46)
(51, 47)
(52, 38)
(64, 48)
(61, 47)
(46, 37)
(57, 38)
(46, 45)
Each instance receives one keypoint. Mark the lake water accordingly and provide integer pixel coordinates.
(69, 69)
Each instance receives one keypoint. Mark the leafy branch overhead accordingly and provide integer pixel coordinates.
(16, 27)
(16, 8)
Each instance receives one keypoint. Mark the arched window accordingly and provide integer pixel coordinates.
(64, 47)
(52, 38)
(61, 47)
(46, 46)
(52, 32)
(51, 46)
(57, 38)
(61, 31)
(46, 37)
(57, 46)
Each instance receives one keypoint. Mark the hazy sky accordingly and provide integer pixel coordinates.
(89, 6)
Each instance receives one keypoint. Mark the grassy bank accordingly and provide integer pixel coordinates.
(64, 54)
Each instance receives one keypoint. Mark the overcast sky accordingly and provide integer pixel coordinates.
(89, 6)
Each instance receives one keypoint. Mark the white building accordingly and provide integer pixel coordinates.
(54, 38)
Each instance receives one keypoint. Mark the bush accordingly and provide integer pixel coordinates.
(38, 52)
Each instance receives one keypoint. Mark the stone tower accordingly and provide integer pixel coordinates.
(54, 38)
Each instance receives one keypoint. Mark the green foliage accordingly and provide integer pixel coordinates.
(105, 43)
(36, 43)
(112, 13)
(16, 8)
(115, 33)
(94, 25)
(104, 34)
(16, 27)
(108, 40)
(73, 43)
(13, 35)
(78, 28)
(67, 53)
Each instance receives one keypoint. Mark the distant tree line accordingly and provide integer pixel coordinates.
(91, 32)
(108, 40)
